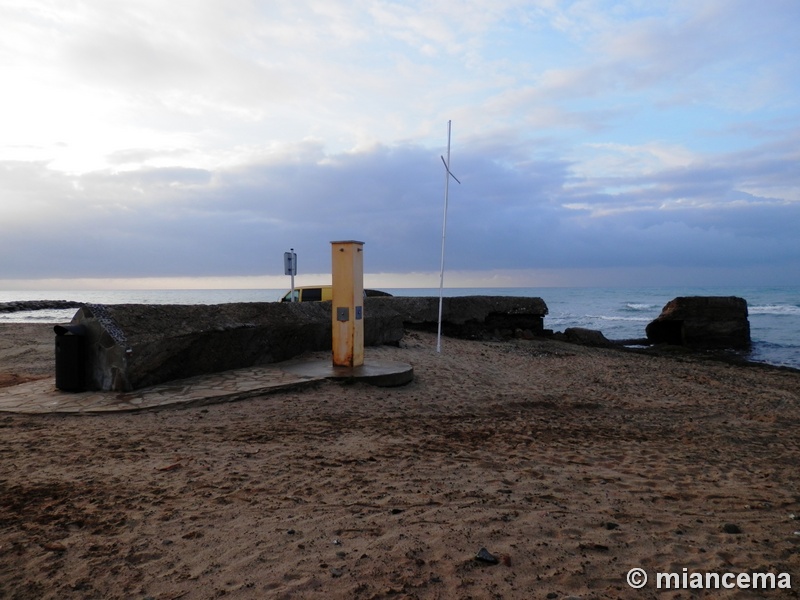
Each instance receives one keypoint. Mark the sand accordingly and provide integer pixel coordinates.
(570, 465)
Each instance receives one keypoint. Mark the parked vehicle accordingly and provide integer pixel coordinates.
(316, 293)
(320, 293)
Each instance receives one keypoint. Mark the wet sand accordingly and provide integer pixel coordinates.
(571, 465)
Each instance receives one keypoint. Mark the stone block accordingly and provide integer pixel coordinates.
(703, 322)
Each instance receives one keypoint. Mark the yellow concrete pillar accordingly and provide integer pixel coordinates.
(347, 319)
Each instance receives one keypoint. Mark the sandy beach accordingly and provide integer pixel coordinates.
(570, 465)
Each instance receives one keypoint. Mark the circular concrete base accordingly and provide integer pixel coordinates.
(383, 373)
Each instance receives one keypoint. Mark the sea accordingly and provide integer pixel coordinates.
(620, 313)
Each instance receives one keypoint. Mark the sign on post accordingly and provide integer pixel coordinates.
(290, 262)
(290, 268)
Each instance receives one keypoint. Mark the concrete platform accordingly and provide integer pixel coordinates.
(382, 373)
(42, 396)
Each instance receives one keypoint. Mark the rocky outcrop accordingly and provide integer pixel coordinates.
(586, 337)
(703, 322)
(129, 346)
(21, 305)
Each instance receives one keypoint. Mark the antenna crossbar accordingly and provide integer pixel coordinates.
(449, 172)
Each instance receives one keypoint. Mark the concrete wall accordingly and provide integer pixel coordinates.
(129, 346)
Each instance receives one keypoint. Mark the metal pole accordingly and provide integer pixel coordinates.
(294, 269)
(444, 236)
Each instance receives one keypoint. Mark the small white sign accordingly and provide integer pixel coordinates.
(290, 263)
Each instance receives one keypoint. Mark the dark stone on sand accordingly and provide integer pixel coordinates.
(702, 322)
(587, 337)
(487, 557)
(731, 528)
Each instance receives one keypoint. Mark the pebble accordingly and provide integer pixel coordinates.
(54, 547)
(484, 555)
(731, 528)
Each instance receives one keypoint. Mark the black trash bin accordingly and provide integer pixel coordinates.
(70, 365)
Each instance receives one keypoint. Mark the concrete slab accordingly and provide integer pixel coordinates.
(42, 397)
(381, 373)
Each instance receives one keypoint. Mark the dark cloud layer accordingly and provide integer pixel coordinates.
(505, 214)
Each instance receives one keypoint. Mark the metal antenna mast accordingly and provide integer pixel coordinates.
(447, 176)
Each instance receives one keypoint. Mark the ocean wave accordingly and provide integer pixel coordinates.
(44, 316)
(786, 355)
(615, 318)
(775, 309)
(637, 306)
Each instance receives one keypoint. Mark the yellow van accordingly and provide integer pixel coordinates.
(316, 293)
(319, 293)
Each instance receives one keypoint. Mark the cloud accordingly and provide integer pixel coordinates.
(506, 214)
(166, 139)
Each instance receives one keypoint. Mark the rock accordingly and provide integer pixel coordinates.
(54, 547)
(703, 322)
(485, 556)
(731, 528)
(586, 337)
(20, 305)
(470, 317)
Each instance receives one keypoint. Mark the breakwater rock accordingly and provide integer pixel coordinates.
(585, 337)
(470, 317)
(702, 322)
(23, 305)
(129, 346)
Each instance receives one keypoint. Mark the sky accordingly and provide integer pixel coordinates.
(192, 143)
